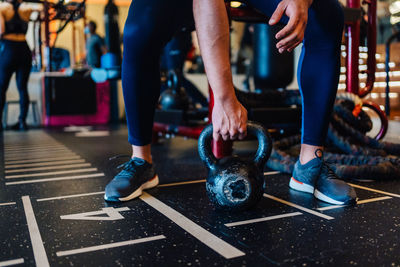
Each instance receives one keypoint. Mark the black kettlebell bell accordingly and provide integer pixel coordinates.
(234, 183)
(175, 96)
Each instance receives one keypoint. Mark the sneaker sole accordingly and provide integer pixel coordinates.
(150, 184)
(299, 186)
(327, 199)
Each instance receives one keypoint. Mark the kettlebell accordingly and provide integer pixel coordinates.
(234, 183)
(175, 96)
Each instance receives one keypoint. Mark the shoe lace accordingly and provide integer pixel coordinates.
(325, 168)
(126, 165)
(330, 174)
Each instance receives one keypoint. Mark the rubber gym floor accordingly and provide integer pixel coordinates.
(53, 213)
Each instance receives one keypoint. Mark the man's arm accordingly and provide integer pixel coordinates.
(229, 116)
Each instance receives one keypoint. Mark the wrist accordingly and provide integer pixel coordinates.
(225, 98)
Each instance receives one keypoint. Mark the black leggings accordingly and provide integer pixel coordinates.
(15, 57)
(152, 23)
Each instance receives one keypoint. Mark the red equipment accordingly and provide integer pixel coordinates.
(352, 64)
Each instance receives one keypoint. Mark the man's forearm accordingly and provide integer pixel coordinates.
(212, 28)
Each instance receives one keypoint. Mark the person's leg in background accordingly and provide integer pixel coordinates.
(6, 71)
(22, 76)
(149, 26)
(319, 69)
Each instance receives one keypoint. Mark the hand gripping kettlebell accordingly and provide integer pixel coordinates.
(234, 183)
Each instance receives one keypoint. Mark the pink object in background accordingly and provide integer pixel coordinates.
(102, 115)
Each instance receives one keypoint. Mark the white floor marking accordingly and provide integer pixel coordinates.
(64, 166)
(8, 204)
(41, 160)
(313, 212)
(49, 173)
(271, 173)
(112, 215)
(56, 179)
(331, 207)
(36, 239)
(11, 150)
(374, 190)
(60, 162)
(36, 152)
(70, 196)
(182, 183)
(372, 200)
(11, 262)
(218, 245)
(358, 203)
(92, 134)
(77, 128)
(43, 156)
(107, 246)
(269, 218)
(32, 146)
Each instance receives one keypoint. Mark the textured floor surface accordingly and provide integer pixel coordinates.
(53, 213)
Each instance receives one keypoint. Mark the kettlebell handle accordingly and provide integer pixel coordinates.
(253, 128)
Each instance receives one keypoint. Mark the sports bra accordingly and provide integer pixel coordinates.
(16, 24)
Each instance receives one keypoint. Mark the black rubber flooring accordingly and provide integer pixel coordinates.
(53, 213)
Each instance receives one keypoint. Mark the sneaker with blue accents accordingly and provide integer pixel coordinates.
(316, 177)
(136, 176)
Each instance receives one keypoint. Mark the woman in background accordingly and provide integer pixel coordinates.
(15, 55)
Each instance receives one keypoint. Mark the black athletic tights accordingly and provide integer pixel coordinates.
(15, 57)
(152, 23)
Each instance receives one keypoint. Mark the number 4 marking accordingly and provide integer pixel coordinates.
(111, 215)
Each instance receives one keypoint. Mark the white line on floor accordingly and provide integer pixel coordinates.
(70, 196)
(36, 152)
(12, 150)
(107, 246)
(39, 147)
(61, 162)
(182, 183)
(32, 145)
(56, 179)
(269, 218)
(331, 207)
(41, 160)
(218, 245)
(8, 204)
(49, 173)
(63, 166)
(11, 262)
(43, 156)
(374, 190)
(358, 203)
(313, 212)
(271, 173)
(372, 200)
(36, 239)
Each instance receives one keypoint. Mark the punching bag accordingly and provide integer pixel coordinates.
(271, 69)
(112, 38)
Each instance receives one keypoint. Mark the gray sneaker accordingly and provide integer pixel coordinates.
(136, 176)
(316, 177)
